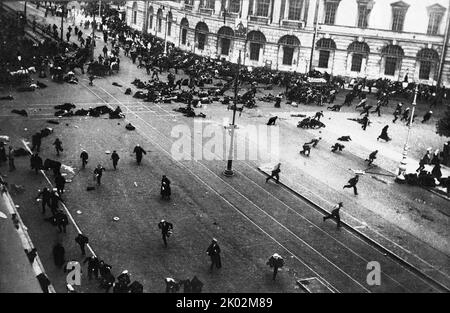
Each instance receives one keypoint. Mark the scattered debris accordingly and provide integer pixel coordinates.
(130, 127)
(78, 212)
(52, 122)
(89, 188)
(116, 84)
(115, 218)
(380, 179)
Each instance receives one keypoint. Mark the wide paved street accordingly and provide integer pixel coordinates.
(250, 218)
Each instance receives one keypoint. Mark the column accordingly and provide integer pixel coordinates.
(312, 13)
(196, 5)
(276, 12)
(217, 7)
(244, 9)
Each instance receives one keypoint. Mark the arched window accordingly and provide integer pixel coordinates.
(428, 59)
(325, 46)
(289, 44)
(225, 35)
(358, 51)
(134, 13)
(184, 25)
(257, 41)
(159, 15)
(393, 55)
(150, 17)
(326, 43)
(360, 47)
(201, 34)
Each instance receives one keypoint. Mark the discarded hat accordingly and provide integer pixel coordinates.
(214, 239)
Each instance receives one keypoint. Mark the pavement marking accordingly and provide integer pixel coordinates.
(239, 211)
(63, 204)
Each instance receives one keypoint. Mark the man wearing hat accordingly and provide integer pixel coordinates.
(139, 151)
(335, 214)
(425, 160)
(352, 183)
(84, 158)
(214, 252)
(166, 230)
(98, 172)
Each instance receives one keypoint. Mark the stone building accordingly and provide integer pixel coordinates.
(352, 38)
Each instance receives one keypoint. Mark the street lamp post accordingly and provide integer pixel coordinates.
(165, 36)
(229, 171)
(403, 163)
(62, 21)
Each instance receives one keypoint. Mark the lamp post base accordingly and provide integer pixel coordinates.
(228, 173)
(400, 179)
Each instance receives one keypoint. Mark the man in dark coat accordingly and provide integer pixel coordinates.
(214, 252)
(36, 162)
(166, 230)
(352, 184)
(139, 152)
(98, 173)
(54, 200)
(272, 120)
(275, 174)
(60, 183)
(165, 187)
(427, 116)
(82, 240)
(335, 214)
(61, 221)
(84, 158)
(115, 159)
(46, 197)
(58, 146)
(36, 140)
(384, 135)
(59, 254)
(93, 266)
(372, 157)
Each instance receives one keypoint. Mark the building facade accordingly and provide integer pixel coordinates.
(351, 38)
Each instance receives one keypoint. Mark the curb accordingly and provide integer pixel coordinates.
(369, 240)
(27, 244)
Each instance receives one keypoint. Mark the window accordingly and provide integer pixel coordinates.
(356, 62)
(134, 16)
(201, 41)
(324, 56)
(425, 69)
(390, 65)
(225, 34)
(330, 12)
(254, 51)
(150, 21)
(434, 23)
(159, 24)
(398, 15)
(190, 2)
(288, 54)
(201, 32)
(169, 27)
(225, 42)
(234, 6)
(363, 15)
(295, 10)
(184, 25)
(207, 4)
(262, 8)
(183, 36)
(428, 59)
(250, 7)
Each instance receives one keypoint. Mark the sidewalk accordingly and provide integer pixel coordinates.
(16, 274)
